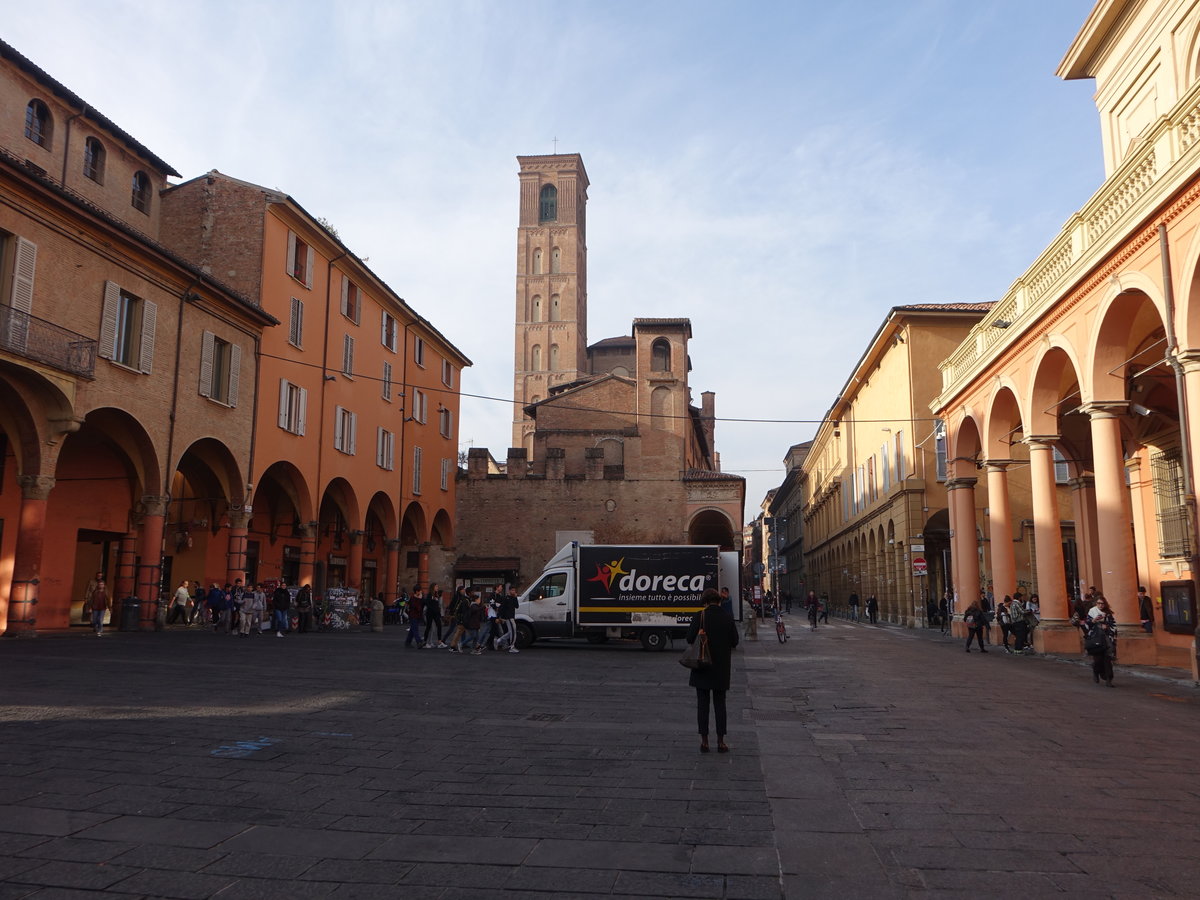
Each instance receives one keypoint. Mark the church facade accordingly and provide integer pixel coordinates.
(608, 446)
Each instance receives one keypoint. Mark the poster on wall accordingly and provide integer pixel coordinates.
(341, 608)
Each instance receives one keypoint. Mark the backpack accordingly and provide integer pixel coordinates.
(1095, 642)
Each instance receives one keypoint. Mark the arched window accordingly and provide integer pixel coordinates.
(555, 261)
(535, 358)
(548, 205)
(141, 192)
(93, 160)
(660, 356)
(660, 405)
(39, 126)
(554, 357)
(536, 309)
(537, 261)
(555, 308)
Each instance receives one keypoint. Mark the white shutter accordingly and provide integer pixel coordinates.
(284, 396)
(24, 265)
(338, 433)
(345, 295)
(379, 446)
(353, 434)
(303, 418)
(208, 342)
(108, 320)
(149, 320)
(308, 261)
(391, 451)
(383, 330)
(235, 373)
(291, 254)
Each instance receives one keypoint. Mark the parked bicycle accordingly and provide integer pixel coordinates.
(780, 628)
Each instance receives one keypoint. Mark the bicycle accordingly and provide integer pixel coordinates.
(780, 628)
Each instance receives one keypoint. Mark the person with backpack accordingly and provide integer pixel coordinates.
(415, 609)
(1004, 617)
(1100, 640)
(507, 618)
(1020, 624)
(281, 605)
(974, 620)
(433, 618)
(304, 609)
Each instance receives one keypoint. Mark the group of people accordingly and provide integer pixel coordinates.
(466, 623)
(241, 609)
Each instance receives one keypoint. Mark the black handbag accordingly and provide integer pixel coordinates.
(697, 655)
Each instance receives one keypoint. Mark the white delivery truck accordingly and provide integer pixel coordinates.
(602, 591)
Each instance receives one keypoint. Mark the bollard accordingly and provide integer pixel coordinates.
(376, 615)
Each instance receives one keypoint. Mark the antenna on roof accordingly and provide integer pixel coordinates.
(556, 146)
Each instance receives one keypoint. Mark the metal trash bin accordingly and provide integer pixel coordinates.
(131, 609)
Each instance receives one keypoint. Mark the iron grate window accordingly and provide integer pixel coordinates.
(1173, 538)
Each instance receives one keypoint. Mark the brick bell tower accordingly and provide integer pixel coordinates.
(551, 319)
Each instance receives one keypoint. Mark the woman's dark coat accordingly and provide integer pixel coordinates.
(722, 638)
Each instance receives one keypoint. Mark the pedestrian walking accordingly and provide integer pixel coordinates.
(433, 618)
(712, 681)
(218, 609)
(944, 613)
(1145, 610)
(507, 618)
(814, 608)
(825, 608)
(416, 609)
(97, 602)
(853, 602)
(179, 604)
(1100, 640)
(973, 618)
(304, 609)
(872, 610)
(1004, 617)
(281, 605)
(1020, 623)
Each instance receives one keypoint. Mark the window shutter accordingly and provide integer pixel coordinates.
(379, 445)
(347, 355)
(391, 451)
(338, 432)
(108, 320)
(308, 261)
(284, 395)
(353, 433)
(291, 254)
(207, 343)
(345, 295)
(24, 264)
(303, 417)
(296, 325)
(235, 373)
(149, 319)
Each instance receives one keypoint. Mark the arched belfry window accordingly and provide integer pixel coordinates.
(660, 356)
(555, 261)
(535, 358)
(537, 261)
(548, 205)
(537, 309)
(554, 357)
(555, 308)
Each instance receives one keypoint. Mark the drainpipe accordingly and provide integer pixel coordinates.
(175, 389)
(67, 144)
(1185, 428)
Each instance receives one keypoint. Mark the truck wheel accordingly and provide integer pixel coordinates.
(654, 639)
(525, 635)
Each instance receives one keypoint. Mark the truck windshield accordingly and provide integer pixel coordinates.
(553, 585)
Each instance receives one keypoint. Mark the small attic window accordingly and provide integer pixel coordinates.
(660, 356)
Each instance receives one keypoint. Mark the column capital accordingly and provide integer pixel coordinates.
(997, 465)
(309, 529)
(1081, 482)
(394, 544)
(356, 537)
(1048, 440)
(153, 505)
(238, 518)
(35, 487)
(1190, 360)
(1105, 409)
(957, 484)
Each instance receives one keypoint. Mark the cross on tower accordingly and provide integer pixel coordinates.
(556, 146)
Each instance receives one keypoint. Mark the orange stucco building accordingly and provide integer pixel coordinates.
(1094, 355)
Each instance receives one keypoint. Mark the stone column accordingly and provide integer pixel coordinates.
(963, 545)
(1004, 565)
(354, 564)
(1054, 634)
(1083, 507)
(149, 573)
(1118, 580)
(423, 566)
(392, 572)
(308, 552)
(1191, 384)
(27, 555)
(235, 555)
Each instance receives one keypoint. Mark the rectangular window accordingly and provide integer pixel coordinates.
(900, 473)
(1062, 472)
(1166, 467)
(388, 333)
(939, 430)
(445, 422)
(885, 469)
(220, 369)
(127, 326)
(419, 351)
(296, 323)
(387, 381)
(872, 495)
(348, 356)
(299, 260)
(351, 300)
(447, 373)
(416, 477)
(345, 428)
(293, 406)
(385, 447)
(18, 264)
(420, 409)
(447, 468)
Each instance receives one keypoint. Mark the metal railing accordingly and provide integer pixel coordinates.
(45, 342)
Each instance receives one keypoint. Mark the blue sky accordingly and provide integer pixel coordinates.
(782, 173)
